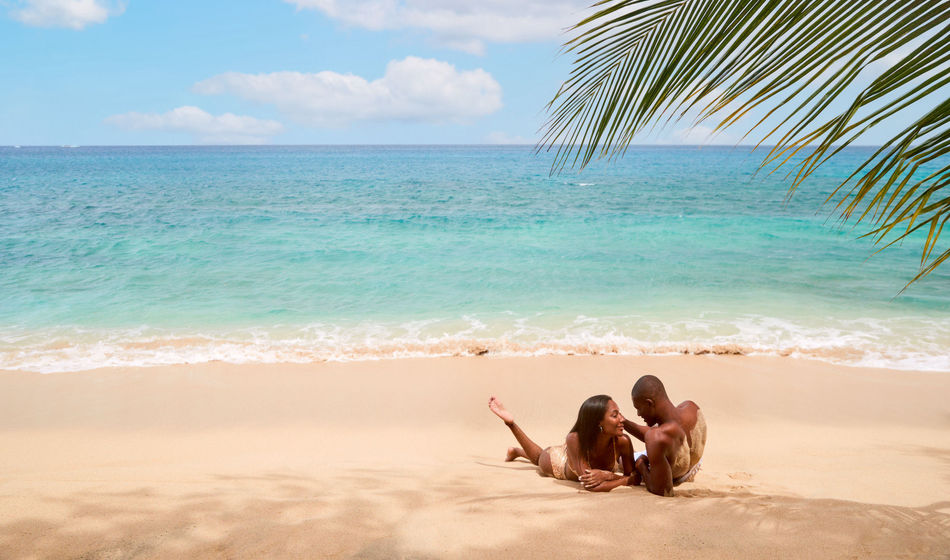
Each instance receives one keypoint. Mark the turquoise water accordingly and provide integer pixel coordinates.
(158, 255)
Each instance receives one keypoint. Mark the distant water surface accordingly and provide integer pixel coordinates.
(164, 255)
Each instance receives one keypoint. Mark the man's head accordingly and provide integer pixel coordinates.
(647, 393)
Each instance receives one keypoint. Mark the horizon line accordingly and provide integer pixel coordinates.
(73, 146)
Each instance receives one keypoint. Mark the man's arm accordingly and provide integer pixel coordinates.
(636, 430)
(656, 470)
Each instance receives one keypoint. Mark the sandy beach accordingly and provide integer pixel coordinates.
(402, 459)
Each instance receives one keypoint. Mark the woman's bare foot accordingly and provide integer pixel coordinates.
(514, 453)
(499, 409)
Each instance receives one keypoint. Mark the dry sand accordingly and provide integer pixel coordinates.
(402, 459)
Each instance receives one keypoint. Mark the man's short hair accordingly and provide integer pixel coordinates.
(649, 387)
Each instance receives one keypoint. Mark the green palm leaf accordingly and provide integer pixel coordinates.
(641, 64)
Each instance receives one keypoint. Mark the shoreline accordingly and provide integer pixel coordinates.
(63, 357)
(402, 458)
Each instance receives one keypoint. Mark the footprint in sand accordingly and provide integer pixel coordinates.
(740, 476)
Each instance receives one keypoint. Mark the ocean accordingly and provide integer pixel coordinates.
(138, 256)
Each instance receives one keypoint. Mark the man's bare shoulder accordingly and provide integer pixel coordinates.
(688, 406)
(689, 414)
(665, 434)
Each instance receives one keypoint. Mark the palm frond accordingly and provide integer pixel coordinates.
(642, 64)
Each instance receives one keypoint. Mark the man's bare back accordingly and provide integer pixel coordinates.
(675, 437)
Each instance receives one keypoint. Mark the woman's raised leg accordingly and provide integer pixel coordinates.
(529, 449)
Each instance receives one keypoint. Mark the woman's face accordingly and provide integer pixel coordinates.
(612, 424)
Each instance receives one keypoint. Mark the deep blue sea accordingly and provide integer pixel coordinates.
(116, 256)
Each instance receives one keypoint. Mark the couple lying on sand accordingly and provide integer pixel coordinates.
(596, 450)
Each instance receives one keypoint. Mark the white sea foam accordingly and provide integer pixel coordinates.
(902, 343)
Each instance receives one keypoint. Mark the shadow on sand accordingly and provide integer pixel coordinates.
(399, 515)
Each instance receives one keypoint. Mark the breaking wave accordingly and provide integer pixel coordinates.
(903, 343)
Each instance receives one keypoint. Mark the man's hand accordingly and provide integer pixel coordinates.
(642, 466)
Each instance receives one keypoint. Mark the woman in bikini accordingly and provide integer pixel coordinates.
(593, 453)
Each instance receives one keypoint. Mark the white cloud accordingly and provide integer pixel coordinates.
(460, 24)
(413, 89)
(505, 138)
(205, 127)
(75, 14)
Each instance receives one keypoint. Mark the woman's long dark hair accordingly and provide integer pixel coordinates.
(588, 421)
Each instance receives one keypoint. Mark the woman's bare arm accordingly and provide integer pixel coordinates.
(577, 463)
(597, 480)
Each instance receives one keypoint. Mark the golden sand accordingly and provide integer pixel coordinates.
(402, 459)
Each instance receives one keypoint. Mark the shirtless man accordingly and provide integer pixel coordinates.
(675, 437)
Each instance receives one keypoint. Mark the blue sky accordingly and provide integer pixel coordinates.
(272, 71)
(109, 72)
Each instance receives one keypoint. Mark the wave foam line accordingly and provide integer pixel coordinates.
(58, 356)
